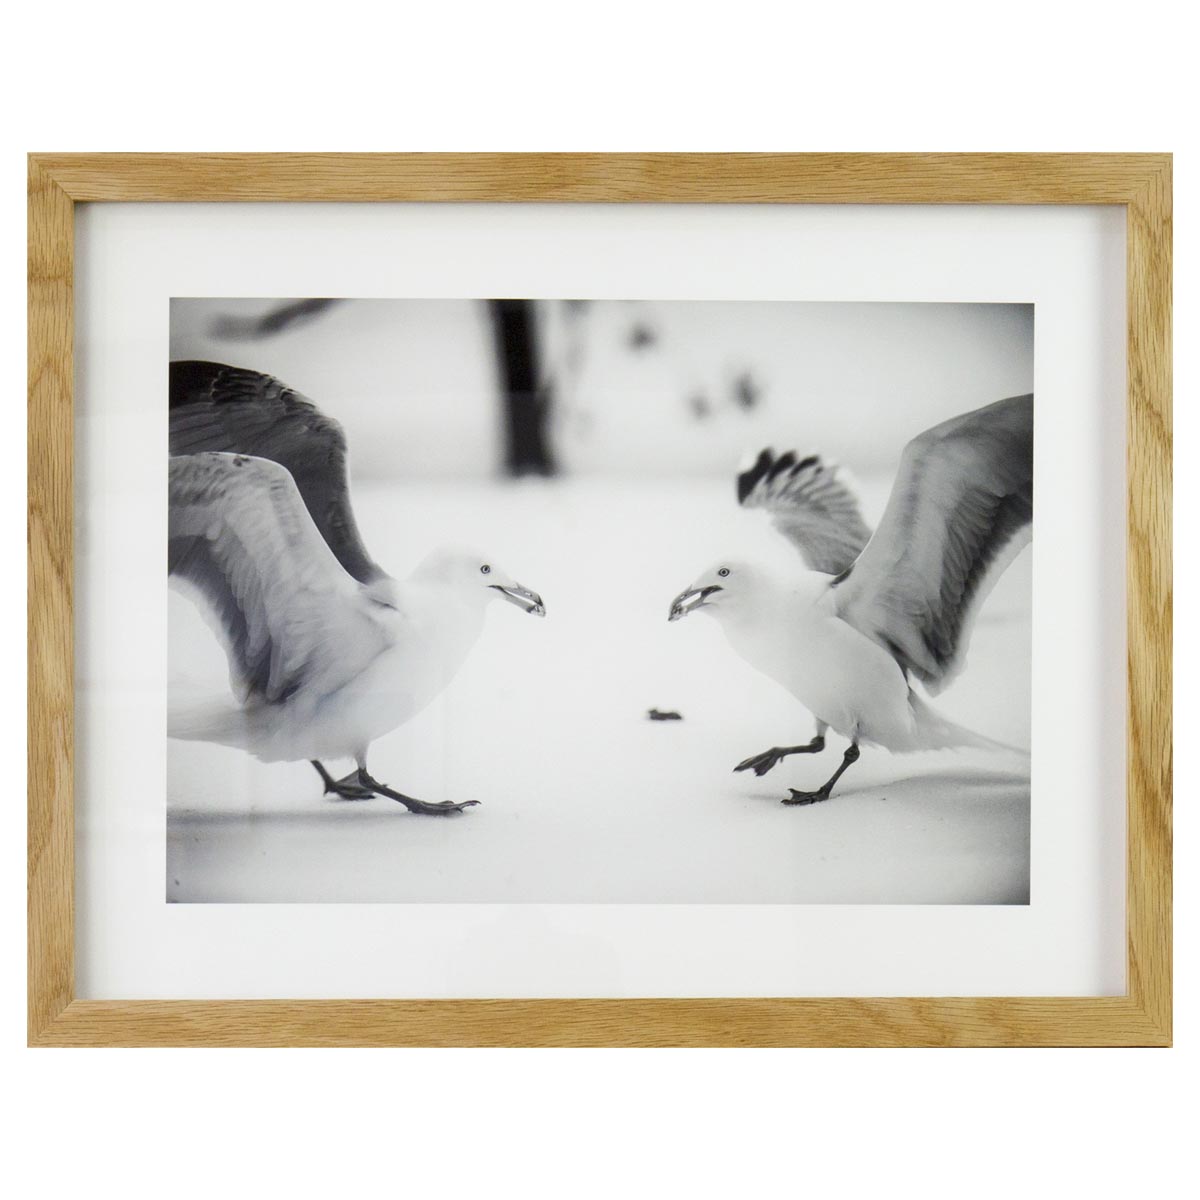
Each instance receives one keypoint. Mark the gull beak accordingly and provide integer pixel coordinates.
(523, 598)
(690, 600)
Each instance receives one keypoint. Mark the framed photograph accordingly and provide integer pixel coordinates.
(594, 600)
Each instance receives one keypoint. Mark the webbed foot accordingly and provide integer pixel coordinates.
(796, 797)
(440, 808)
(348, 788)
(760, 764)
(825, 790)
(348, 791)
(421, 807)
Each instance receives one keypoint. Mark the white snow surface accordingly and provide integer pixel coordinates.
(584, 799)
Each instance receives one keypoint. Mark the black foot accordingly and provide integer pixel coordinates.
(760, 764)
(440, 809)
(823, 792)
(806, 797)
(348, 789)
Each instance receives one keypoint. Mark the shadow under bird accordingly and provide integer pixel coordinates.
(326, 651)
(873, 612)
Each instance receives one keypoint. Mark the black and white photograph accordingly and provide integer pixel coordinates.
(599, 601)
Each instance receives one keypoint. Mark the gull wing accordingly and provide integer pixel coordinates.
(216, 407)
(287, 612)
(809, 505)
(960, 509)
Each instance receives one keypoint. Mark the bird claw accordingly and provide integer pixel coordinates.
(348, 788)
(804, 797)
(343, 791)
(760, 764)
(440, 808)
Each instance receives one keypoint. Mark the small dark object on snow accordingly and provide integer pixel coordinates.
(655, 715)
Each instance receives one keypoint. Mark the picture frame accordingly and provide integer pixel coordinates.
(1140, 183)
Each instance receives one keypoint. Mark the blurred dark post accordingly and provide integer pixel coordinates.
(526, 401)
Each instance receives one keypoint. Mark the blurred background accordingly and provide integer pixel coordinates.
(473, 388)
(590, 448)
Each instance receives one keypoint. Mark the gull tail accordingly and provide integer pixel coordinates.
(218, 721)
(932, 731)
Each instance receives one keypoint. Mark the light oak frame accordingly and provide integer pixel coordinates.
(1141, 183)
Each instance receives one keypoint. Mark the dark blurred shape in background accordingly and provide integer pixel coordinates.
(642, 337)
(249, 329)
(746, 391)
(524, 395)
(475, 388)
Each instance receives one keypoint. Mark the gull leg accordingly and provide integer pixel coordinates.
(822, 793)
(760, 764)
(440, 809)
(344, 789)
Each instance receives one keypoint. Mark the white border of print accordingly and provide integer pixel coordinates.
(1067, 261)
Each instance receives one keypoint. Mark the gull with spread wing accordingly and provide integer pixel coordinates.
(326, 652)
(874, 613)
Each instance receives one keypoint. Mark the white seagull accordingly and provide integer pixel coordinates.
(847, 636)
(326, 652)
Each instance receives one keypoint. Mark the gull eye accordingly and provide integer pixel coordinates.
(485, 569)
(723, 572)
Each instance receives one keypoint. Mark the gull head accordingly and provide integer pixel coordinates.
(717, 590)
(479, 577)
(738, 590)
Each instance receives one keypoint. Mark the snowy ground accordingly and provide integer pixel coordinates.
(583, 798)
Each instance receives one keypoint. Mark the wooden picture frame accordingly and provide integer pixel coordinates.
(1141, 183)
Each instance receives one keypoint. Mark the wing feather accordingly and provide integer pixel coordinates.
(809, 505)
(960, 509)
(237, 411)
(287, 612)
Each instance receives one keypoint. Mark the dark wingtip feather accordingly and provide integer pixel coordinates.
(748, 480)
(192, 377)
(195, 381)
(785, 462)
